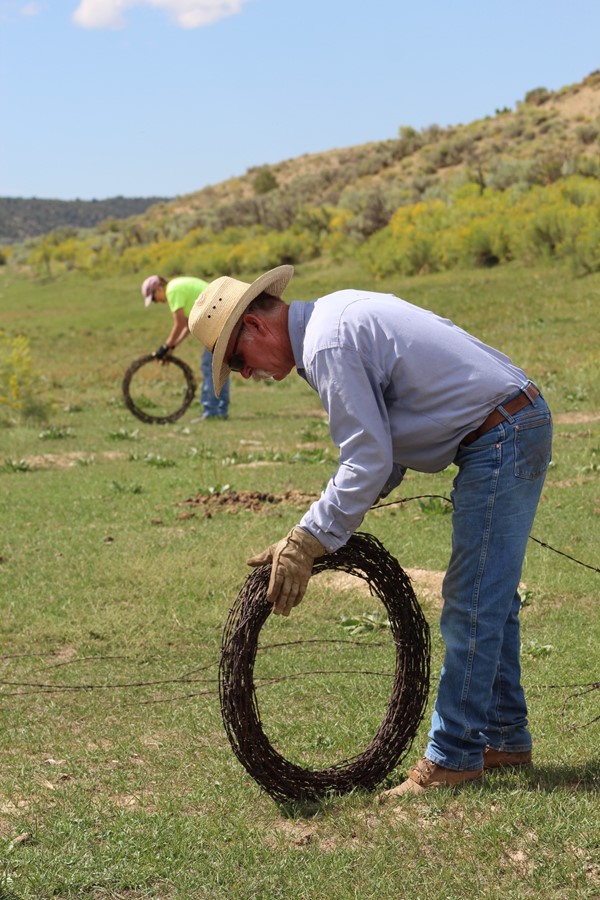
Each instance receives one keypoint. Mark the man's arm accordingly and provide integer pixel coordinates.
(180, 329)
(352, 393)
(360, 428)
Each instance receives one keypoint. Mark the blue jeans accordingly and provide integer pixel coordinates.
(211, 404)
(480, 700)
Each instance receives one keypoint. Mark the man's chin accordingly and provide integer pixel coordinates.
(261, 375)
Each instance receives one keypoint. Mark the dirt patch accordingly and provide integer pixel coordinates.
(134, 802)
(67, 460)
(340, 582)
(578, 105)
(576, 418)
(426, 582)
(297, 834)
(65, 654)
(252, 501)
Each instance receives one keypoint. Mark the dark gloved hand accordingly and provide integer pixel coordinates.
(162, 351)
(291, 567)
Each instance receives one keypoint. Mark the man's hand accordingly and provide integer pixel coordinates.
(291, 567)
(162, 351)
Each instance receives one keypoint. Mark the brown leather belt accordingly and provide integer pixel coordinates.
(527, 395)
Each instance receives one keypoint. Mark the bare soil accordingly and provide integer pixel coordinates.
(427, 583)
(253, 501)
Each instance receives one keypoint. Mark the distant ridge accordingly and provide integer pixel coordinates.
(547, 136)
(22, 218)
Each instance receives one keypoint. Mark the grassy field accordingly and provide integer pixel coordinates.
(117, 571)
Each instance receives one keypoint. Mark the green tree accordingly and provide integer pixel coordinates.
(264, 182)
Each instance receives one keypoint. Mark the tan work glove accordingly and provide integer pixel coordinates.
(291, 567)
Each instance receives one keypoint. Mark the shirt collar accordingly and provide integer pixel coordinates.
(298, 319)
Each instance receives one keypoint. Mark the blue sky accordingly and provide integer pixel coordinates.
(138, 98)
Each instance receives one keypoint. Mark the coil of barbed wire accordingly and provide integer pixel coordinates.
(365, 557)
(188, 388)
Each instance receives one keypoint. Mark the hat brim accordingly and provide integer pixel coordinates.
(273, 282)
(148, 301)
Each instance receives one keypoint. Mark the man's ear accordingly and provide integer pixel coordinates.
(255, 324)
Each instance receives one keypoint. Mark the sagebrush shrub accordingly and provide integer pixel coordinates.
(19, 385)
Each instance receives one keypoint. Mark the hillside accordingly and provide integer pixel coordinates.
(521, 184)
(534, 142)
(22, 218)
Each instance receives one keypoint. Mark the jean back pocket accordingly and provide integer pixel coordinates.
(533, 444)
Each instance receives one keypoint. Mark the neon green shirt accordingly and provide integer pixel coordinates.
(183, 292)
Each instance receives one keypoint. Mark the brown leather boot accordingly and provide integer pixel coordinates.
(427, 774)
(504, 759)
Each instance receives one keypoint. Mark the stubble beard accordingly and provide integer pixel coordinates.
(262, 375)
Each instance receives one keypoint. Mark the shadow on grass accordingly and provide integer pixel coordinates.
(311, 809)
(585, 777)
(536, 778)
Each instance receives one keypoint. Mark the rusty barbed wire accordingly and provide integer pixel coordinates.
(365, 557)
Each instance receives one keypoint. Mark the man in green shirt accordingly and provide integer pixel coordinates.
(180, 294)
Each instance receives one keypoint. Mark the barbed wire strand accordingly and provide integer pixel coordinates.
(448, 500)
(45, 688)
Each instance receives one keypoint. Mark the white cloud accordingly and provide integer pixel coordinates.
(187, 13)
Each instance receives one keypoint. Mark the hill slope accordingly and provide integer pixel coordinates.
(547, 136)
(534, 142)
(22, 218)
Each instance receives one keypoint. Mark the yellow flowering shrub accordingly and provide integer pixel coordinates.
(19, 386)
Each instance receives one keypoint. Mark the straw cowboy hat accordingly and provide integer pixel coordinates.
(221, 305)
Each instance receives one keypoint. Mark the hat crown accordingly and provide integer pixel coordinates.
(222, 304)
(210, 311)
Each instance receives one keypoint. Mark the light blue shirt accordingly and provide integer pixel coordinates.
(401, 386)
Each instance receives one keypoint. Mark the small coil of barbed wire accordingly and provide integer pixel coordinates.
(365, 557)
(189, 382)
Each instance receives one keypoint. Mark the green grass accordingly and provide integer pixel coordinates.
(116, 776)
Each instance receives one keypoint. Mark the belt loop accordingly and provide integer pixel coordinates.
(529, 396)
(506, 415)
